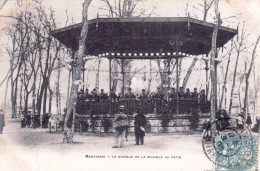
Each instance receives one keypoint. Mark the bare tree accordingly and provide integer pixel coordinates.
(32, 47)
(226, 75)
(206, 5)
(17, 51)
(240, 47)
(247, 76)
(256, 86)
(213, 54)
(68, 130)
(2, 4)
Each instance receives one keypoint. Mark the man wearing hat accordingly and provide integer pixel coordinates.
(120, 125)
(140, 122)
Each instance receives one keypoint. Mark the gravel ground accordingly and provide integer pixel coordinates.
(36, 149)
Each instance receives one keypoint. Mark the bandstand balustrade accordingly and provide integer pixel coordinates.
(148, 106)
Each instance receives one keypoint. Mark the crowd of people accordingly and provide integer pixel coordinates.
(159, 94)
(158, 100)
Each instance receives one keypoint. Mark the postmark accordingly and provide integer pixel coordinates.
(232, 147)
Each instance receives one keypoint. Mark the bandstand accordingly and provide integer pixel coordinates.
(125, 39)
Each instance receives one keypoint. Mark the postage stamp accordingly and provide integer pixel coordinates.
(231, 149)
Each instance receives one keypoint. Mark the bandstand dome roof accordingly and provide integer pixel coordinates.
(146, 37)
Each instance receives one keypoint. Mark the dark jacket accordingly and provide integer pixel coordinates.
(2, 120)
(140, 121)
(248, 120)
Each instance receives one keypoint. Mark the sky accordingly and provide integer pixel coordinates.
(247, 10)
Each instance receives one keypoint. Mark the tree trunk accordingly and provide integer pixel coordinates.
(233, 84)
(6, 90)
(68, 130)
(26, 102)
(239, 95)
(12, 87)
(58, 89)
(21, 95)
(50, 100)
(97, 75)
(188, 74)
(213, 54)
(225, 79)
(186, 78)
(247, 79)
(44, 107)
(150, 78)
(68, 90)
(42, 89)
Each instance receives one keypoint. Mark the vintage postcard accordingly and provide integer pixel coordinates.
(129, 85)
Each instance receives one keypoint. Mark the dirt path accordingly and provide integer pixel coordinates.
(31, 149)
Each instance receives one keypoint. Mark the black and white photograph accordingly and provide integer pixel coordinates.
(129, 85)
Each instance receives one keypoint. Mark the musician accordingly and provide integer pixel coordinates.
(113, 95)
(80, 95)
(129, 94)
(102, 95)
(202, 96)
(143, 96)
(94, 95)
(181, 92)
(187, 94)
(158, 94)
(173, 93)
(87, 95)
(195, 94)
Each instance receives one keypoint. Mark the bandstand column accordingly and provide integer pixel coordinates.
(207, 77)
(169, 72)
(123, 75)
(83, 69)
(216, 75)
(177, 86)
(110, 76)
